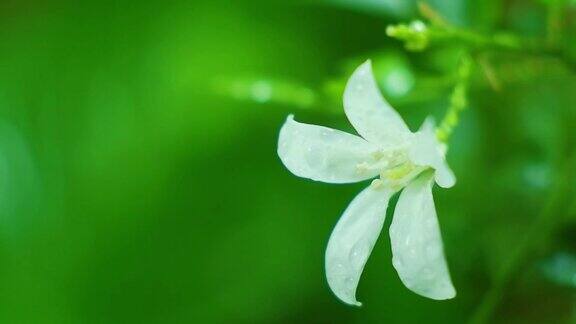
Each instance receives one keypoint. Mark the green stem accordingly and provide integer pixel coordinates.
(417, 36)
(458, 100)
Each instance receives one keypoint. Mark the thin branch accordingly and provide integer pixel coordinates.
(489, 73)
(458, 99)
(430, 14)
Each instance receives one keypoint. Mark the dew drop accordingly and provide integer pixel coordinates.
(408, 240)
(397, 263)
(350, 283)
(358, 254)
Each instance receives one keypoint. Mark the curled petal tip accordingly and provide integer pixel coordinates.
(350, 301)
(446, 293)
(365, 69)
(321, 153)
(347, 298)
(368, 111)
(417, 249)
(352, 241)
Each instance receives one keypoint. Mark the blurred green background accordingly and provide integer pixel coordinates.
(139, 181)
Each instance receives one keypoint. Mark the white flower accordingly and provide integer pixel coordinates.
(402, 160)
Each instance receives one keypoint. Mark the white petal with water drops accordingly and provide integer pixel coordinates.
(352, 241)
(426, 150)
(417, 250)
(324, 154)
(444, 176)
(370, 114)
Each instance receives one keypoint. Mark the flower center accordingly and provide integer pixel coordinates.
(394, 167)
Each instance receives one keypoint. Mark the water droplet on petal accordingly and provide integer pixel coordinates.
(408, 240)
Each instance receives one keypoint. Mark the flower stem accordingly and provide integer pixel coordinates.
(418, 36)
(458, 100)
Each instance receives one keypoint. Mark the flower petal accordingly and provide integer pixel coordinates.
(324, 154)
(427, 151)
(352, 241)
(370, 114)
(418, 253)
(444, 176)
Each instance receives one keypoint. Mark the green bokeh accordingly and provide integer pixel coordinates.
(139, 181)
